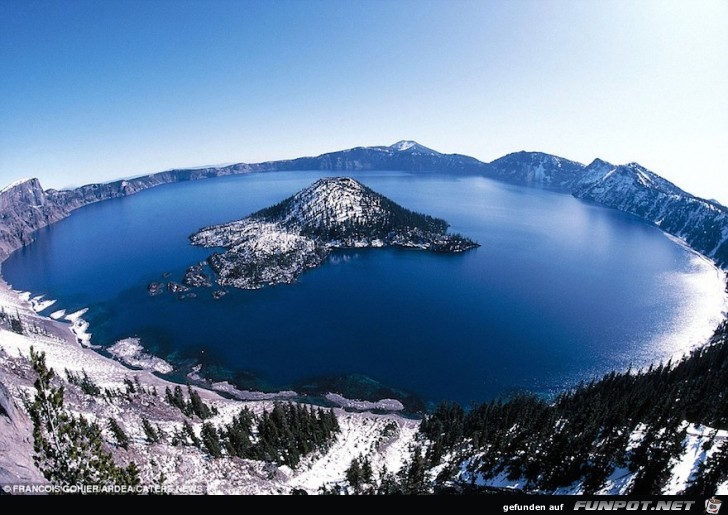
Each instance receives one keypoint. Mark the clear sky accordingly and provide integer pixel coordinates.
(100, 89)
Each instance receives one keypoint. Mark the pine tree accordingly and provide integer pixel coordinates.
(122, 440)
(176, 399)
(84, 382)
(68, 449)
(16, 325)
(196, 406)
(413, 476)
(354, 476)
(149, 431)
(359, 473)
(188, 432)
(237, 434)
(388, 484)
(130, 386)
(211, 440)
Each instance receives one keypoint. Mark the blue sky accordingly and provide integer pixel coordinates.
(101, 89)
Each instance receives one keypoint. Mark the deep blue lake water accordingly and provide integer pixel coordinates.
(560, 290)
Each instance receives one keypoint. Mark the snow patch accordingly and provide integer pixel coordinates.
(15, 184)
(698, 447)
(131, 352)
(383, 404)
(76, 315)
(403, 145)
(39, 304)
(57, 315)
(79, 327)
(385, 439)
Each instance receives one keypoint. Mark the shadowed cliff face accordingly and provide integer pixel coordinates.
(25, 207)
(16, 443)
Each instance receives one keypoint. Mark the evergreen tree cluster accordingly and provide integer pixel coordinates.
(152, 434)
(290, 431)
(69, 449)
(283, 436)
(83, 381)
(194, 407)
(711, 472)
(132, 389)
(583, 435)
(122, 439)
(359, 474)
(14, 323)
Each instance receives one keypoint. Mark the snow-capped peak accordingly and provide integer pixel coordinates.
(412, 147)
(403, 145)
(333, 200)
(15, 184)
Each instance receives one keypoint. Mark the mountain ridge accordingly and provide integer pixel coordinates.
(25, 207)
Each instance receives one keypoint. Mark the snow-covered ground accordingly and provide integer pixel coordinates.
(699, 444)
(359, 438)
(39, 303)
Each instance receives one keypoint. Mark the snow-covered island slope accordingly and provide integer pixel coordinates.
(277, 244)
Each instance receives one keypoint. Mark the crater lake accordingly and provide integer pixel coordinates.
(560, 290)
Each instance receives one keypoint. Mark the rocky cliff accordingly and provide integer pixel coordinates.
(16, 444)
(25, 208)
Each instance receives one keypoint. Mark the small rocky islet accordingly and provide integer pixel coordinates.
(196, 276)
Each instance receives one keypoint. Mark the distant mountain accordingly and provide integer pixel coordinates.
(633, 189)
(404, 155)
(25, 207)
(536, 169)
(277, 244)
